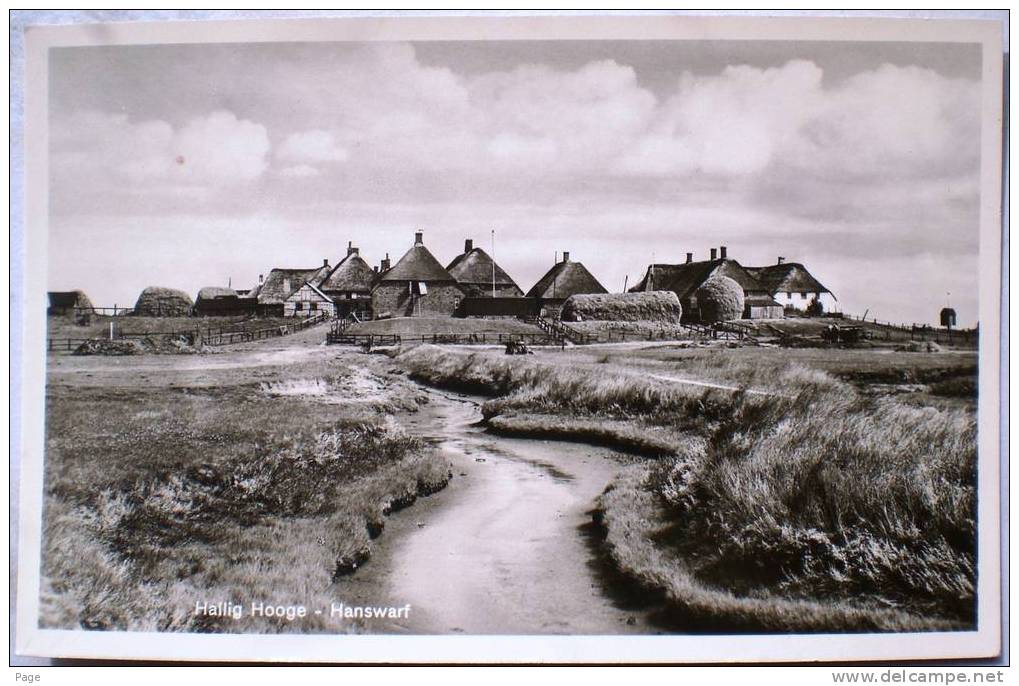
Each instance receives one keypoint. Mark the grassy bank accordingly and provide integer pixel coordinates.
(810, 506)
(227, 483)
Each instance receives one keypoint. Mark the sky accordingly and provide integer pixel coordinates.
(201, 165)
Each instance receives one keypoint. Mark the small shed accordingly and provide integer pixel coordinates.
(222, 302)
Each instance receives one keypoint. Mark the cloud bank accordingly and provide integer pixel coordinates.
(885, 156)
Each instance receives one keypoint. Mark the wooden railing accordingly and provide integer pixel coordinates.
(210, 337)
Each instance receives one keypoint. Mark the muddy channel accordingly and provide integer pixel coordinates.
(508, 547)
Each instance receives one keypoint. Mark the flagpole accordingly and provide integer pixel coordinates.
(493, 263)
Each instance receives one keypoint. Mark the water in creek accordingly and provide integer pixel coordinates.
(508, 547)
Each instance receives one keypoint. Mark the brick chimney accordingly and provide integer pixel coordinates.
(721, 251)
(351, 250)
(325, 261)
(468, 245)
(689, 257)
(261, 278)
(385, 264)
(714, 254)
(780, 260)
(566, 256)
(419, 238)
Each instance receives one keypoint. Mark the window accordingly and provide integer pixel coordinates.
(313, 306)
(788, 295)
(298, 307)
(803, 296)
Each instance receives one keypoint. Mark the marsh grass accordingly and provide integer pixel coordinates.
(158, 497)
(837, 510)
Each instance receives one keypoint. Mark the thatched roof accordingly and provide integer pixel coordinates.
(475, 267)
(214, 292)
(563, 280)
(684, 279)
(281, 283)
(352, 274)
(788, 277)
(417, 265)
(654, 306)
(760, 300)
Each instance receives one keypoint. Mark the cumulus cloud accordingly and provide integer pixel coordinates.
(216, 149)
(300, 171)
(314, 146)
(883, 160)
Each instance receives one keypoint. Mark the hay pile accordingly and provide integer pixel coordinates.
(168, 344)
(155, 301)
(652, 306)
(107, 347)
(719, 299)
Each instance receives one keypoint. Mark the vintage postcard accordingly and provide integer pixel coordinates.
(512, 339)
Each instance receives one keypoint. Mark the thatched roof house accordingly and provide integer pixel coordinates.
(282, 283)
(351, 278)
(791, 277)
(416, 285)
(480, 276)
(308, 301)
(565, 279)
(791, 285)
(685, 279)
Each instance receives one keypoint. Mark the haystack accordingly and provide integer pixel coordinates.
(155, 301)
(653, 306)
(719, 299)
(69, 303)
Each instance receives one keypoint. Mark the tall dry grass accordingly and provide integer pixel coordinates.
(813, 494)
(158, 496)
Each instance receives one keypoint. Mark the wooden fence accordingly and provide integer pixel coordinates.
(889, 331)
(211, 337)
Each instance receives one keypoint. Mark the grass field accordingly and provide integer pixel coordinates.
(802, 503)
(226, 477)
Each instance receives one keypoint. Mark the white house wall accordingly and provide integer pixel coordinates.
(306, 297)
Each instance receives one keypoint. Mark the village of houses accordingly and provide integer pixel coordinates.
(473, 284)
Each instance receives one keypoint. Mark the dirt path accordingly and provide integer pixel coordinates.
(507, 547)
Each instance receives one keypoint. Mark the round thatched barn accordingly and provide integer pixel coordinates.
(719, 299)
(651, 306)
(155, 301)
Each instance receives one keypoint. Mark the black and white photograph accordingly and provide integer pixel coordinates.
(607, 339)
